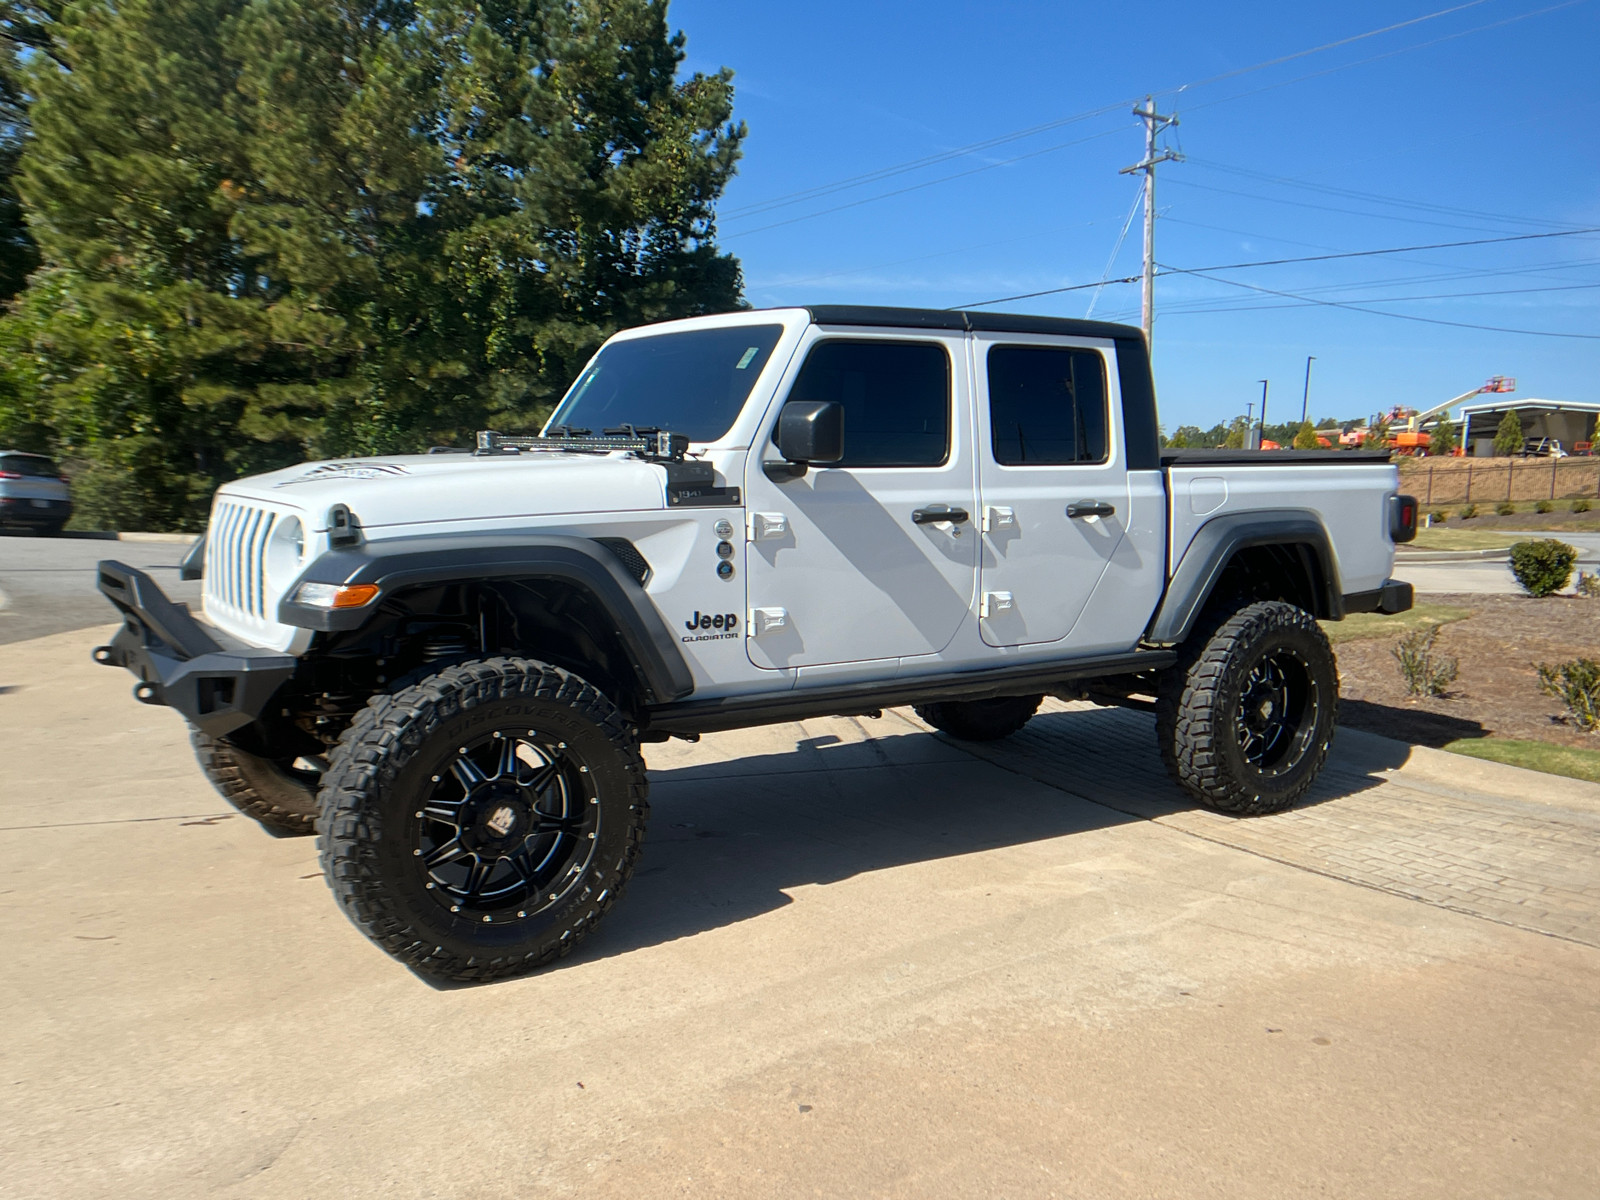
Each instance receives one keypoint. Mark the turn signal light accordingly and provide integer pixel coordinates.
(333, 595)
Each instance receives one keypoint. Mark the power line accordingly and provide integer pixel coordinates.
(799, 197)
(1276, 262)
(919, 186)
(1373, 198)
(1199, 307)
(1378, 312)
(1350, 212)
(1077, 287)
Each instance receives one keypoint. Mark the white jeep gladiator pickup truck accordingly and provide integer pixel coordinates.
(446, 663)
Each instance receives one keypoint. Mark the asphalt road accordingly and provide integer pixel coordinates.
(1490, 575)
(47, 585)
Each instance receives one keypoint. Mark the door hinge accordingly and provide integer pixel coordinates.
(765, 525)
(763, 620)
(995, 518)
(995, 603)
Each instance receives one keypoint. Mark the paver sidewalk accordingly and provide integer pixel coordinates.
(1370, 819)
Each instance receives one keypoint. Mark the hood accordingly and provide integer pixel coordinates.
(420, 488)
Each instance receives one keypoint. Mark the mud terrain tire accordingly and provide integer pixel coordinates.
(1246, 717)
(478, 823)
(282, 799)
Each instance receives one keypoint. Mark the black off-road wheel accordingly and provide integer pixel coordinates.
(270, 791)
(480, 822)
(1246, 717)
(980, 720)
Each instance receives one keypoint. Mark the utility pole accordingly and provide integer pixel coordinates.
(1305, 403)
(1261, 430)
(1154, 123)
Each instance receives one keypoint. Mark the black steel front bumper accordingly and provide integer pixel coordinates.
(218, 684)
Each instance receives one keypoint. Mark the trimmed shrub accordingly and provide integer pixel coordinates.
(1542, 567)
(1440, 515)
(1425, 674)
(1589, 585)
(1505, 508)
(1467, 511)
(1544, 506)
(1577, 685)
(1580, 506)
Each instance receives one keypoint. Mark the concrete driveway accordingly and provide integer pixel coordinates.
(857, 960)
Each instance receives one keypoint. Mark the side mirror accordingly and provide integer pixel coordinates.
(811, 431)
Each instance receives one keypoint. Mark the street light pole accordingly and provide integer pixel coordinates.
(1261, 434)
(1305, 403)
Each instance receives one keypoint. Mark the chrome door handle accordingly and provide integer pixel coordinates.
(1091, 508)
(935, 513)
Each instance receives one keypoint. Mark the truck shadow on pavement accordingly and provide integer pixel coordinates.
(729, 840)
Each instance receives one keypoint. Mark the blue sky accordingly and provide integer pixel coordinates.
(1449, 130)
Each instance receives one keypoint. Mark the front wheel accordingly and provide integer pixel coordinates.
(272, 791)
(1245, 718)
(479, 823)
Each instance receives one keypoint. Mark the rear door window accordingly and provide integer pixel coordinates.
(1047, 405)
(896, 398)
(34, 466)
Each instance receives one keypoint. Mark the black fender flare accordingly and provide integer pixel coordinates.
(396, 563)
(1213, 547)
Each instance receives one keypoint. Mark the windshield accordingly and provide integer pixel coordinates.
(691, 383)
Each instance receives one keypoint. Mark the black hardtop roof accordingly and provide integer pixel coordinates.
(964, 320)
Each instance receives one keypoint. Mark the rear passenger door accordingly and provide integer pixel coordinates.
(1052, 481)
(840, 568)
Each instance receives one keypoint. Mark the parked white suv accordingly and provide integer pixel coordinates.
(33, 495)
(446, 663)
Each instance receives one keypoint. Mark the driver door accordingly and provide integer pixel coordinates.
(874, 557)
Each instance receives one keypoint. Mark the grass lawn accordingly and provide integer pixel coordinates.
(1380, 625)
(1535, 756)
(1438, 538)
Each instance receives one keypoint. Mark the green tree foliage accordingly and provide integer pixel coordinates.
(1442, 438)
(1508, 437)
(25, 29)
(1306, 437)
(1237, 433)
(282, 229)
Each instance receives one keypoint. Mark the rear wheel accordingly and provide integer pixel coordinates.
(1245, 718)
(479, 823)
(271, 791)
(980, 720)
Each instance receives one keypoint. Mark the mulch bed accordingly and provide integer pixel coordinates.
(1497, 692)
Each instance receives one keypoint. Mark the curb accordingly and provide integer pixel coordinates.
(102, 535)
(1422, 556)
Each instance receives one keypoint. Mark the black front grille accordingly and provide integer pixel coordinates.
(628, 555)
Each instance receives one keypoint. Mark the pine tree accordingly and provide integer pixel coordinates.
(1508, 438)
(276, 229)
(1305, 437)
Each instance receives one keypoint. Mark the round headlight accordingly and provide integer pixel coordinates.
(285, 550)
